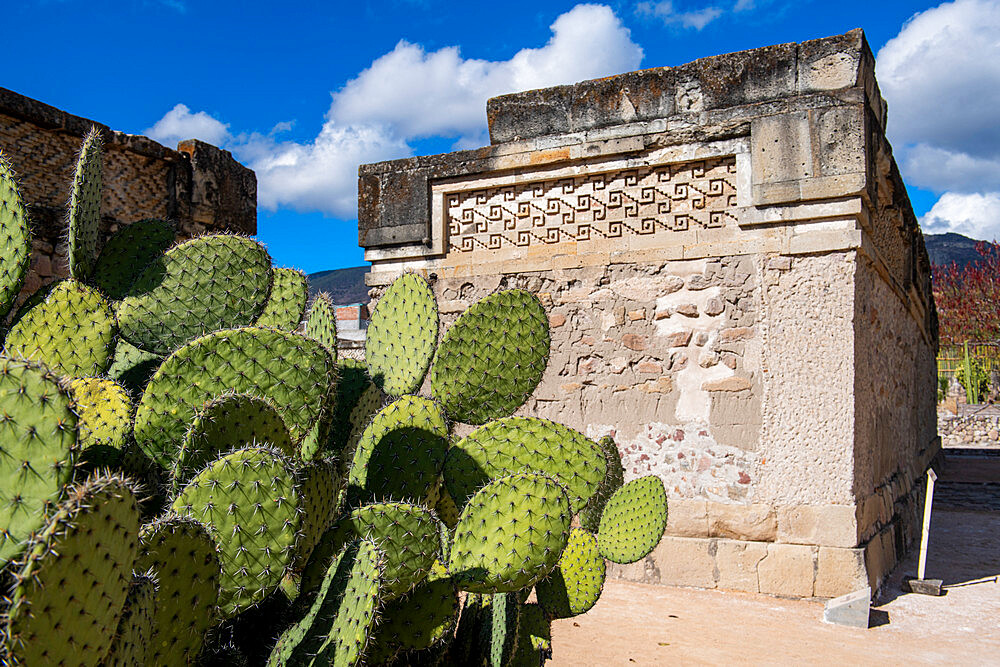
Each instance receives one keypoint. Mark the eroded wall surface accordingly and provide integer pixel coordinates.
(737, 291)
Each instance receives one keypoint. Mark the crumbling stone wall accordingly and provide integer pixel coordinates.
(738, 291)
(200, 187)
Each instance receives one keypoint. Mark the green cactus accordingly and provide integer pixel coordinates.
(72, 331)
(590, 515)
(321, 323)
(32, 300)
(574, 586)
(287, 302)
(422, 618)
(352, 383)
(633, 520)
(38, 432)
(402, 335)
(514, 444)
(127, 254)
(132, 367)
(291, 371)
(337, 626)
(400, 454)
(492, 357)
(249, 501)
(16, 247)
(371, 401)
(321, 489)
(104, 410)
(222, 280)
(183, 556)
(224, 423)
(534, 637)
(505, 612)
(85, 206)
(525, 520)
(70, 587)
(131, 645)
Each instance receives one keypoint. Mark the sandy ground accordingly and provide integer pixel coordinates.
(637, 624)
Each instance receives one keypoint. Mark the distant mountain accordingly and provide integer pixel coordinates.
(950, 247)
(344, 285)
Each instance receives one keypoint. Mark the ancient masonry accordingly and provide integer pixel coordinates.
(198, 186)
(738, 292)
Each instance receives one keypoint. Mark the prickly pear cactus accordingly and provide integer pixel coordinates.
(85, 206)
(400, 454)
(574, 586)
(182, 555)
(72, 331)
(402, 335)
(321, 324)
(534, 637)
(492, 357)
(422, 618)
(369, 403)
(16, 246)
(105, 412)
(38, 432)
(131, 644)
(70, 587)
(321, 489)
(293, 372)
(633, 520)
(503, 629)
(225, 423)
(514, 444)
(287, 303)
(352, 383)
(526, 518)
(222, 281)
(249, 501)
(127, 254)
(590, 515)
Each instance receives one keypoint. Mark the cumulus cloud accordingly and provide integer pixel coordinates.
(976, 215)
(179, 124)
(697, 19)
(408, 94)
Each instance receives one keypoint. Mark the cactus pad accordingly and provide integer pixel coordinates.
(320, 487)
(371, 401)
(505, 618)
(510, 534)
(534, 637)
(515, 444)
(105, 412)
(400, 454)
(492, 357)
(196, 287)
(225, 423)
(127, 254)
(420, 619)
(321, 324)
(287, 302)
(402, 335)
(249, 503)
(633, 520)
(182, 555)
(409, 535)
(351, 384)
(132, 367)
(16, 246)
(131, 645)
(574, 586)
(85, 206)
(590, 515)
(71, 586)
(293, 372)
(72, 331)
(38, 435)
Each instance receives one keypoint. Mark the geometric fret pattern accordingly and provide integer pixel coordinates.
(639, 201)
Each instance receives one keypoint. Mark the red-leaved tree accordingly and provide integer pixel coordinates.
(968, 298)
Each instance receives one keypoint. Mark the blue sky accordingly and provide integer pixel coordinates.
(304, 91)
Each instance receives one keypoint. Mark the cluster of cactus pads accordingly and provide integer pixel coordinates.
(186, 479)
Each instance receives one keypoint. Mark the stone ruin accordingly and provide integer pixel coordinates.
(738, 291)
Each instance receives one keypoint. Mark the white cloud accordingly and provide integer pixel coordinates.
(941, 78)
(407, 94)
(696, 19)
(179, 124)
(440, 93)
(975, 215)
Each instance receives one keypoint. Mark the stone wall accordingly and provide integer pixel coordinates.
(738, 292)
(200, 187)
(969, 430)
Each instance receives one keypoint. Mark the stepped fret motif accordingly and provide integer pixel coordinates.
(641, 201)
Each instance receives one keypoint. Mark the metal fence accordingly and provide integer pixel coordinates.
(950, 357)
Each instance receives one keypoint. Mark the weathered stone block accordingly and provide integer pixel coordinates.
(825, 525)
(852, 609)
(737, 564)
(788, 569)
(683, 561)
(687, 517)
(839, 571)
(742, 522)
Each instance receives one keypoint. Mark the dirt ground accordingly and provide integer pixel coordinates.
(637, 624)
